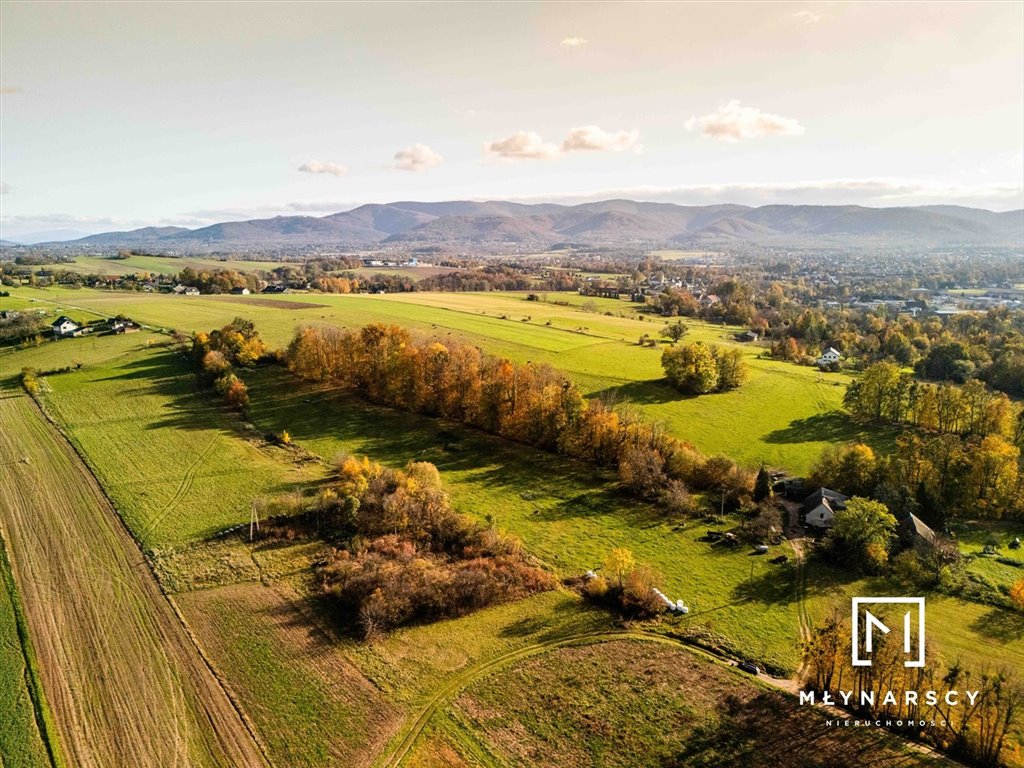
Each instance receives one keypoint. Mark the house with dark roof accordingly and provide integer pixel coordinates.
(821, 506)
(64, 327)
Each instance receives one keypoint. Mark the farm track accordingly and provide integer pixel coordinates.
(182, 490)
(795, 537)
(126, 685)
(446, 693)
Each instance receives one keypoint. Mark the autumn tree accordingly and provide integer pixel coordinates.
(862, 533)
(732, 369)
(852, 469)
(675, 331)
(692, 368)
(618, 564)
(1017, 593)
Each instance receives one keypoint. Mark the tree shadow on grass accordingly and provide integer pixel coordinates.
(1000, 624)
(650, 392)
(159, 366)
(775, 586)
(767, 730)
(777, 583)
(832, 426)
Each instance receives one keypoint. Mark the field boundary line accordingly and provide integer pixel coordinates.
(41, 713)
(228, 693)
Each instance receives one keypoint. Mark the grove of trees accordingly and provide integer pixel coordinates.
(220, 353)
(528, 403)
(699, 368)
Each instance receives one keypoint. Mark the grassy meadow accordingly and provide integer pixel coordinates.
(784, 415)
(156, 265)
(177, 467)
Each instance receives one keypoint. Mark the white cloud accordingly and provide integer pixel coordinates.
(316, 166)
(522, 145)
(732, 122)
(877, 192)
(574, 42)
(807, 17)
(591, 137)
(319, 206)
(5, 188)
(529, 145)
(418, 157)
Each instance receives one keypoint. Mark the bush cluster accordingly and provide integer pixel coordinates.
(405, 555)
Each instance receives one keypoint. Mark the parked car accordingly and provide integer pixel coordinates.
(749, 666)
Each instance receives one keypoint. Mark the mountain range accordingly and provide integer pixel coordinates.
(508, 225)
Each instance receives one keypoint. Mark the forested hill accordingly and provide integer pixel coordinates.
(609, 222)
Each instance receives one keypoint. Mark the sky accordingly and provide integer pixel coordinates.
(119, 115)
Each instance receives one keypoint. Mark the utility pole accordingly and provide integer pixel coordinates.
(254, 521)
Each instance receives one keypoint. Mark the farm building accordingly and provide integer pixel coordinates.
(240, 291)
(64, 327)
(915, 534)
(747, 336)
(185, 290)
(821, 507)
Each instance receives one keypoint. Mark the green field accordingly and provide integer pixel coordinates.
(567, 514)
(785, 415)
(155, 265)
(168, 265)
(21, 745)
(982, 635)
(180, 468)
(176, 466)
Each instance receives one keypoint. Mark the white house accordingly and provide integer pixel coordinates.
(821, 516)
(829, 357)
(64, 326)
(821, 507)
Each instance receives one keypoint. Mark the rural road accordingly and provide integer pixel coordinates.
(126, 684)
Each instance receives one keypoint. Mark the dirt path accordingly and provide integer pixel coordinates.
(445, 694)
(417, 721)
(126, 684)
(798, 542)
